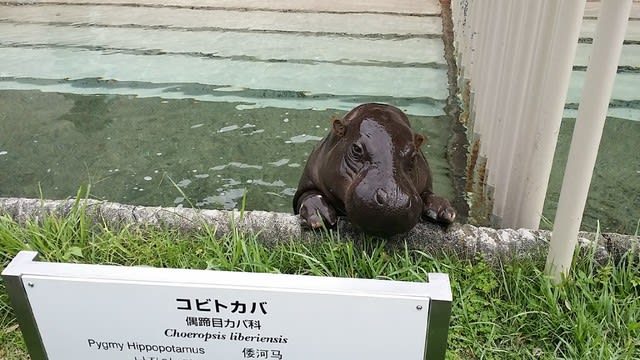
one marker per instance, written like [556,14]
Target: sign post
[80,311]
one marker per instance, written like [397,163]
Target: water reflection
[89,113]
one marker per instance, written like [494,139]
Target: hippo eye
[357,150]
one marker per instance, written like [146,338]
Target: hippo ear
[338,127]
[419,140]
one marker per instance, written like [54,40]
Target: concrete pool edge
[271,228]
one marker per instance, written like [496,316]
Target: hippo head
[381,163]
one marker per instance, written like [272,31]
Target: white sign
[138,313]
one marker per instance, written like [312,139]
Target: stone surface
[273,228]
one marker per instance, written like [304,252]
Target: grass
[500,310]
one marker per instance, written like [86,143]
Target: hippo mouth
[381,218]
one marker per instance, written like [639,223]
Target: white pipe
[502,98]
[469,19]
[464,21]
[520,75]
[499,39]
[592,112]
[459,32]
[531,97]
[489,52]
[473,26]
[481,34]
[480,73]
[554,94]
[477,33]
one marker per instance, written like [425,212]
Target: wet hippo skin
[370,168]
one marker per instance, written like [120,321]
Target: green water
[152,151]
[614,195]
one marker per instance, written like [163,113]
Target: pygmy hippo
[370,168]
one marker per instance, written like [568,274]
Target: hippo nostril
[408,204]
[381,197]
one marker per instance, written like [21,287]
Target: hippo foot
[438,209]
[315,212]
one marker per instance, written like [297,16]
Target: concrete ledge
[273,228]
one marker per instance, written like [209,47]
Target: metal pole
[592,112]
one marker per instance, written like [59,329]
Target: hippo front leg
[437,208]
[315,210]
